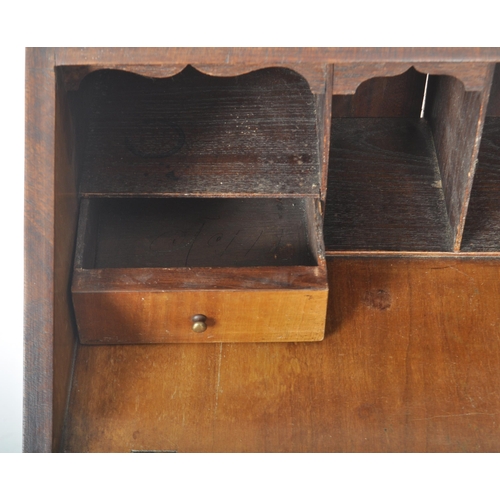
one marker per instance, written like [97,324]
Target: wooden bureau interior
[187,189]
[200,181]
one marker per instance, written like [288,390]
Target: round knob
[199,325]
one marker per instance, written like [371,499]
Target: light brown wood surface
[410,363]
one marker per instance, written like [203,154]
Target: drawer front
[231,316]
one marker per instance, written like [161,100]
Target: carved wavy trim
[348,77]
[314,74]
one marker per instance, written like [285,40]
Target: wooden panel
[39,252]
[410,363]
[233,316]
[482,228]
[269,55]
[456,118]
[194,134]
[397,96]
[384,189]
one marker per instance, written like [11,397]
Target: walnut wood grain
[482,227]
[456,118]
[199,135]
[410,363]
[384,189]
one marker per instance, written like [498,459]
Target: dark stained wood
[384,189]
[39,321]
[456,118]
[482,228]
[323,117]
[410,363]
[315,74]
[494,101]
[397,96]
[198,232]
[349,76]
[193,134]
[66,213]
[105,56]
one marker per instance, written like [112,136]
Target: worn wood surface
[482,227]
[99,56]
[241,315]
[379,97]
[456,118]
[410,363]
[39,321]
[198,232]
[384,189]
[194,134]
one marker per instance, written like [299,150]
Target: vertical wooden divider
[456,118]
[324,118]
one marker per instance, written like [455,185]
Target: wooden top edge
[197,279]
[269,55]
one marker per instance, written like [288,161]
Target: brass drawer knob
[199,325]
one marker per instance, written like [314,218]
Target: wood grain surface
[384,189]
[456,118]
[194,134]
[103,56]
[198,232]
[410,363]
[482,227]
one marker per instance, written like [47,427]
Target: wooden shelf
[384,187]
[198,135]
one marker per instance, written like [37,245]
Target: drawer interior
[196,232]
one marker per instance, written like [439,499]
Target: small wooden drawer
[254,268]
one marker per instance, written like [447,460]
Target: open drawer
[159,270]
